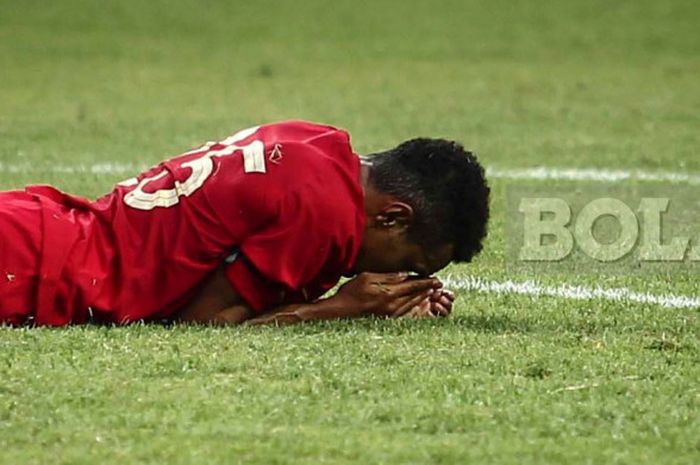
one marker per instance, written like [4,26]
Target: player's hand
[384,294]
[437,304]
[441,301]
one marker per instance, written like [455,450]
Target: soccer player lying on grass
[253,228]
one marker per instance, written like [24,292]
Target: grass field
[92,90]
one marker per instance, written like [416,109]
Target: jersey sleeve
[259,293]
[287,254]
[303,215]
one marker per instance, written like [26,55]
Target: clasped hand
[395,295]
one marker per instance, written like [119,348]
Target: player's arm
[389,295]
[367,294]
[215,302]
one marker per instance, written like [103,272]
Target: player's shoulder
[308,174]
[307,132]
[308,147]
[319,166]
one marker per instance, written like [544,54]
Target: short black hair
[445,185]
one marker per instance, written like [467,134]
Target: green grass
[510,379]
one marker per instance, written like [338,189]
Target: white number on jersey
[202,167]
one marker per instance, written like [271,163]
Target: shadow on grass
[480,323]
[574,322]
[484,323]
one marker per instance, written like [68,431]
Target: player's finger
[422,310]
[407,305]
[442,296]
[439,310]
[399,302]
[449,294]
[415,286]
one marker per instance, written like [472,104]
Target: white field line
[535,174]
[592,174]
[569,291]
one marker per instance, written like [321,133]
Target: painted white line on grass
[591,174]
[569,291]
[534,174]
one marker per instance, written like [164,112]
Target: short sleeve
[303,219]
[259,293]
[287,254]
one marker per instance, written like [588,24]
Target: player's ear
[395,215]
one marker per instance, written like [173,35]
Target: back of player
[140,251]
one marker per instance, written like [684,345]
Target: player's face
[385,252]
[385,244]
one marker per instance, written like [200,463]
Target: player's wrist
[333,307]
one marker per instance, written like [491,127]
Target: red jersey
[281,204]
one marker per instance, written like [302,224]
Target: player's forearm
[390,295]
[217,303]
[324,309]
